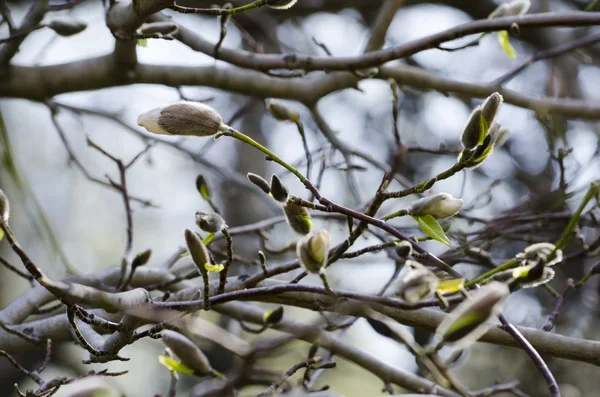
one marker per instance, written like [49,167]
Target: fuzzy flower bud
[418,282]
[297,217]
[67,26]
[198,251]
[313,250]
[511,9]
[260,182]
[4,207]
[490,107]
[441,205]
[182,118]
[472,135]
[187,352]
[472,318]
[278,189]
[210,222]
[281,113]
[281,4]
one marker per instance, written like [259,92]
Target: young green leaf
[174,366]
[209,237]
[432,228]
[142,42]
[505,43]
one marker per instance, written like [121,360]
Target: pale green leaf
[174,365]
[142,42]
[214,268]
[504,41]
[451,286]
[432,228]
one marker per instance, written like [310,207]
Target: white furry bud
[182,118]
[441,205]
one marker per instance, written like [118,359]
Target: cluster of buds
[481,133]
[418,282]
[440,205]
[534,266]
[472,317]
[297,216]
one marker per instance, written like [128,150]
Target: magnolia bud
[272,317]
[182,118]
[280,112]
[404,249]
[202,187]
[4,207]
[511,9]
[472,135]
[188,352]
[210,222]
[67,26]
[281,4]
[260,182]
[441,205]
[197,250]
[490,107]
[278,189]
[541,252]
[418,282]
[297,217]
[313,250]
[471,319]
[141,259]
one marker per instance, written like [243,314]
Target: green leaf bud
[141,259]
[472,318]
[281,113]
[182,118]
[210,222]
[272,317]
[202,187]
[278,189]
[187,352]
[297,217]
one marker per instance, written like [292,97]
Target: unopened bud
[202,187]
[197,250]
[313,250]
[67,26]
[472,134]
[490,107]
[441,205]
[210,222]
[418,282]
[273,317]
[281,4]
[141,259]
[260,182]
[182,118]
[4,207]
[511,9]
[281,113]
[297,217]
[278,189]
[187,352]
[471,319]
[404,249]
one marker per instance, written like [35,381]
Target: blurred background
[63,219]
